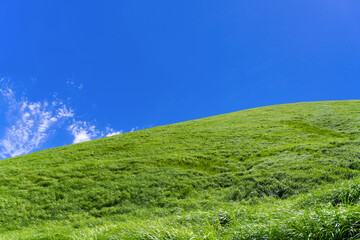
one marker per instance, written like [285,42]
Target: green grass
[279,172]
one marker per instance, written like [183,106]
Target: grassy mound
[280,172]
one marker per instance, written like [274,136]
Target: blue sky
[77,70]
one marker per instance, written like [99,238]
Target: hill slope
[278,172]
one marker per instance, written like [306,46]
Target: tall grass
[280,172]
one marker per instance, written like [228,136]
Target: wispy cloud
[84,131]
[31,123]
[111,132]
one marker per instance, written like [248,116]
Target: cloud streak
[30,124]
[83,131]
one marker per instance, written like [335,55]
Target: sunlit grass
[280,172]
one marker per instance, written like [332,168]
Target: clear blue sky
[119,65]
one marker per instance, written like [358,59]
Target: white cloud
[29,124]
[83,131]
[64,111]
[111,132]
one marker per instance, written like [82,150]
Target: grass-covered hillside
[280,172]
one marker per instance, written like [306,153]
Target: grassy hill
[279,172]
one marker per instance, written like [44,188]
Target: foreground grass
[280,172]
